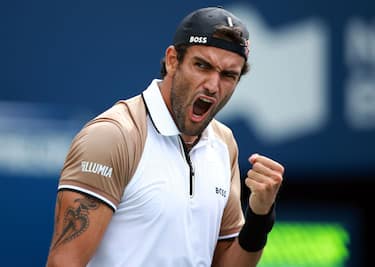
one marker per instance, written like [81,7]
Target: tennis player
[154,180]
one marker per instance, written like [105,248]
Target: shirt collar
[160,115]
[158,111]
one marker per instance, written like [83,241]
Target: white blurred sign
[285,93]
[32,142]
[360,84]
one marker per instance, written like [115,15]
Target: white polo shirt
[165,216]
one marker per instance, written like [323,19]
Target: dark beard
[179,114]
[179,92]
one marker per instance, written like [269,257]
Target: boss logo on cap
[198,39]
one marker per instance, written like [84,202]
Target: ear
[171,61]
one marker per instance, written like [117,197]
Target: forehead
[217,57]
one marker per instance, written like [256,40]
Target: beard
[181,100]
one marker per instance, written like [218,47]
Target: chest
[170,182]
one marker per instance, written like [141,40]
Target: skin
[80,223]
[210,75]
[207,72]
[215,73]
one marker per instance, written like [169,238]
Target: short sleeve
[233,218]
[96,162]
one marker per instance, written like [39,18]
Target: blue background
[73,59]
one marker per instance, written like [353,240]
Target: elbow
[63,261]
[53,262]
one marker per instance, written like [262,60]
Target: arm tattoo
[58,208]
[76,219]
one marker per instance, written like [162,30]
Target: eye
[230,75]
[202,65]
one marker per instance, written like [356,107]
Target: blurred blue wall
[308,101]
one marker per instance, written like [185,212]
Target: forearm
[231,254]
[61,260]
[247,249]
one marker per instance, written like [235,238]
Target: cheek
[227,93]
[226,97]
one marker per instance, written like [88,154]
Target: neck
[190,141]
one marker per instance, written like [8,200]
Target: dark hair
[230,34]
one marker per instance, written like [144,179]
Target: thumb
[253,158]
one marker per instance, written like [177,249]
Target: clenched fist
[264,181]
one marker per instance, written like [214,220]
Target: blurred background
[308,102]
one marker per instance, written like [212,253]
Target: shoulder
[127,117]
[225,134]
[123,123]
[125,113]
[222,131]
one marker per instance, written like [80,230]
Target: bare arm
[80,222]
[228,253]
[264,181]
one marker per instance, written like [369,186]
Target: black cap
[198,28]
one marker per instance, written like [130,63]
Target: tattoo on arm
[58,208]
[76,219]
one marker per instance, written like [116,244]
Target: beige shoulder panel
[104,155]
[233,219]
[130,116]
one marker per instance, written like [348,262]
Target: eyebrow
[225,71]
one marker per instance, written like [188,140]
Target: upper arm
[99,164]
[80,222]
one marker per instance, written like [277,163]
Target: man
[154,180]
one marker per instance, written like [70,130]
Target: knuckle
[251,173]
[248,181]
[277,177]
[282,169]
[257,165]
[269,186]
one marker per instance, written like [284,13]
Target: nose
[212,83]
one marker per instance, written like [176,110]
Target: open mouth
[201,107]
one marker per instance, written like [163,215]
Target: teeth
[205,100]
